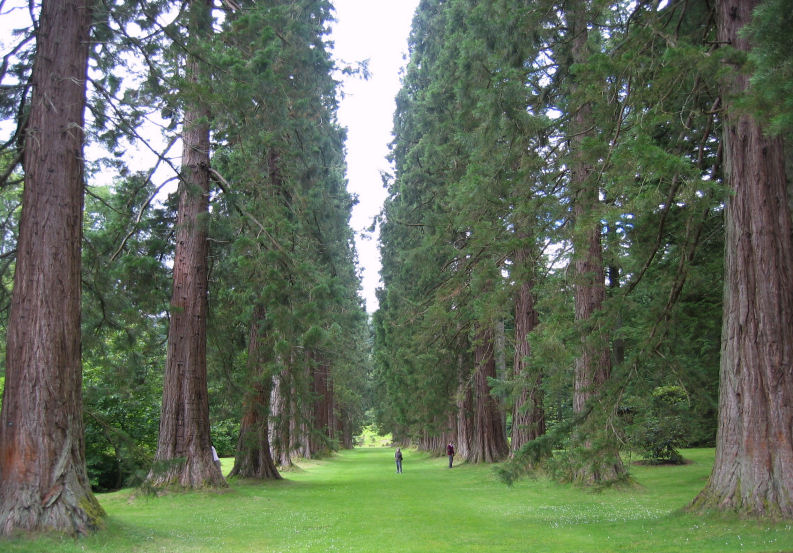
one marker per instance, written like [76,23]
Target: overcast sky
[376,30]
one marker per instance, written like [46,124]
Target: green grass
[355,502]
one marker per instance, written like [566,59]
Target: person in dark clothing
[450,453]
[398,458]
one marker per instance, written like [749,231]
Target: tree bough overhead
[43,480]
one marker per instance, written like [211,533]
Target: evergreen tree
[184,455]
[754,448]
[43,480]
[281,169]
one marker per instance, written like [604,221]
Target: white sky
[376,30]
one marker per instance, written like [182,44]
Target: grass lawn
[356,502]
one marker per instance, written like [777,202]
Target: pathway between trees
[355,502]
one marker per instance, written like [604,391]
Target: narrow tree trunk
[254,459]
[464,409]
[302,423]
[489,443]
[753,470]
[528,415]
[281,420]
[184,455]
[346,430]
[320,423]
[593,366]
[43,480]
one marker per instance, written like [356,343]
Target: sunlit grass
[355,502]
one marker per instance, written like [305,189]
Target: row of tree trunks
[43,480]
[465,403]
[305,428]
[753,470]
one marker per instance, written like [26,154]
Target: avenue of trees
[586,243]
[587,246]
[140,327]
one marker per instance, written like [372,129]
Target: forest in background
[588,218]
[586,197]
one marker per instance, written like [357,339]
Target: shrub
[658,429]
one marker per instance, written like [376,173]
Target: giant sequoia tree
[280,166]
[43,481]
[754,450]
[183,453]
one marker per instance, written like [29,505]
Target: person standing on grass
[398,459]
[450,453]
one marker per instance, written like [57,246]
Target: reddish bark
[322,408]
[464,422]
[489,442]
[254,459]
[528,415]
[753,470]
[43,480]
[184,455]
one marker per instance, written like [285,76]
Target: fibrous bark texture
[254,459]
[464,421]
[43,480]
[184,455]
[753,471]
[282,419]
[489,442]
[528,415]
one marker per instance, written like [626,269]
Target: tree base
[67,514]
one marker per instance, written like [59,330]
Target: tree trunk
[184,456]
[321,407]
[282,419]
[489,443]
[43,480]
[593,366]
[303,413]
[254,459]
[528,415]
[753,470]
[464,409]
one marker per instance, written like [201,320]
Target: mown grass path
[355,502]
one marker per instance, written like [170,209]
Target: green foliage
[480,205]
[225,434]
[283,241]
[370,437]
[771,58]
[658,427]
[125,294]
